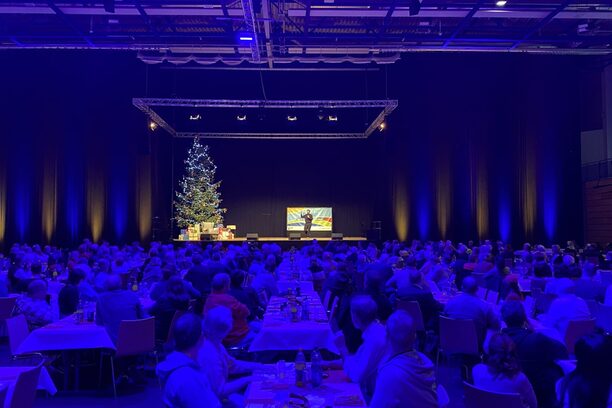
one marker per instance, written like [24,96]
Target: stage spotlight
[195,117]
[153,125]
[414,7]
[241,117]
[332,118]
[291,118]
[500,3]
[246,38]
[382,126]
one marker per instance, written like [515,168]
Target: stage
[284,242]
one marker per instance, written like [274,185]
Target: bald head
[470,285]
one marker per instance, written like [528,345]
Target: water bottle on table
[316,369]
[300,369]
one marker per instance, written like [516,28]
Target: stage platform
[274,239]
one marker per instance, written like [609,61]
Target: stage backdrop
[480,146]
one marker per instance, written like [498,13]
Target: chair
[334,308]
[414,310]
[18,330]
[492,296]
[135,337]
[457,337]
[7,304]
[24,393]
[481,293]
[604,317]
[326,300]
[474,397]
[577,329]
[3,392]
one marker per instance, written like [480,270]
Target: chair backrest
[458,336]
[334,308]
[17,328]
[478,398]
[3,392]
[604,317]
[606,277]
[170,336]
[577,329]
[7,304]
[414,310]
[481,293]
[136,337]
[492,296]
[24,393]
[326,300]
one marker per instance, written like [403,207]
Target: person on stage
[307,222]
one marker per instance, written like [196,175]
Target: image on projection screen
[321,218]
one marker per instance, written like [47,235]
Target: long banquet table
[279,333]
[269,390]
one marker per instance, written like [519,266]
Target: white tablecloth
[66,335]
[306,287]
[279,334]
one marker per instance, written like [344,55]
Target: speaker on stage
[252,236]
[336,236]
[295,236]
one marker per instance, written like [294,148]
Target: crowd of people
[222,290]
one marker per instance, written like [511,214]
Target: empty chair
[478,398]
[18,330]
[24,393]
[414,310]
[603,318]
[135,337]
[457,337]
[577,329]
[492,296]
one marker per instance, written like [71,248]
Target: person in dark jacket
[430,308]
[68,298]
[175,299]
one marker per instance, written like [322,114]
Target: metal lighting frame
[147,105]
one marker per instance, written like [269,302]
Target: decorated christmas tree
[199,199]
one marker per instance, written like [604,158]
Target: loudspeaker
[295,236]
[337,236]
[252,236]
[374,234]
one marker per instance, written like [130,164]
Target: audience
[34,305]
[185,382]
[174,300]
[567,306]
[407,378]
[415,291]
[502,372]
[69,295]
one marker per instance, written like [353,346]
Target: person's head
[37,289]
[176,287]
[75,276]
[589,270]
[220,283]
[188,334]
[113,282]
[400,332]
[218,323]
[238,278]
[363,311]
[502,359]
[513,314]
[415,276]
[307,211]
[196,259]
[469,286]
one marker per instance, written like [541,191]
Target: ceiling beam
[463,24]
[541,24]
[265,8]
[69,23]
[251,25]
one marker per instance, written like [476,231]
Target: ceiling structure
[272,32]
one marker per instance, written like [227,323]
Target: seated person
[175,299]
[362,366]
[217,364]
[416,291]
[407,378]
[185,383]
[34,305]
[589,385]
[589,287]
[501,371]
[116,305]
[468,306]
[69,295]
[567,306]
[245,295]
[536,352]
[241,333]
[160,288]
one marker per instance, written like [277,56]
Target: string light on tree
[199,199]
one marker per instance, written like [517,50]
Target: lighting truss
[148,105]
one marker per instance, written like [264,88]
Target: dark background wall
[480,146]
